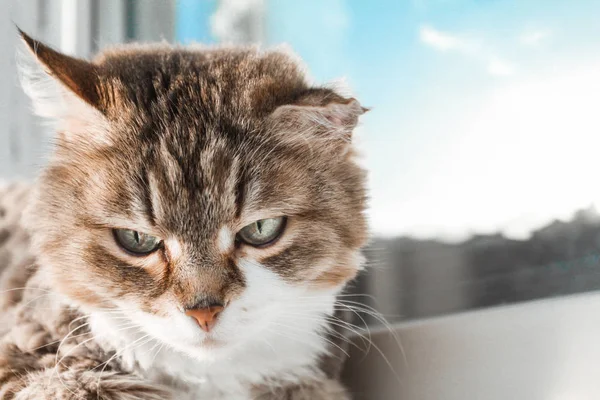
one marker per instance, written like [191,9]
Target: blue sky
[484,112]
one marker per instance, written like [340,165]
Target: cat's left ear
[63,89]
[322,117]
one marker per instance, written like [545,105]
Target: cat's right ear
[64,90]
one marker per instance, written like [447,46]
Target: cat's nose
[206,316]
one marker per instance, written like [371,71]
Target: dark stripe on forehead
[219,165]
[240,191]
[147,196]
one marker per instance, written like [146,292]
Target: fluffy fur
[188,145]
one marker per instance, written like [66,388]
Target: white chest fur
[226,375]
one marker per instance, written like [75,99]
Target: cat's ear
[319,119]
[63,89]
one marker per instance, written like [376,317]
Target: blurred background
[481,144]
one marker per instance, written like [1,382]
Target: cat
[201,212]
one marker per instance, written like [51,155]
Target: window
[481,143]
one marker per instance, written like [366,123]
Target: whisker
[375,314]
[334,321]
[25,288]
[116,355]
[315,334]
[298,339]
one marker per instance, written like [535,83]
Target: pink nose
[206,317]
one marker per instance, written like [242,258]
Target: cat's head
[191,187]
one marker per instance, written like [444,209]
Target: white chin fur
[273,330]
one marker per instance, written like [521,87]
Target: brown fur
[185,142]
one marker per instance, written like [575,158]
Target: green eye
[263,231]
[136,243]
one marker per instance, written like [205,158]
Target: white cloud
[441,40]
[232,21]
[533,38]
[471,48]
[500,67]
[519,157]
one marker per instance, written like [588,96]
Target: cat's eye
[136,243]
[262,232]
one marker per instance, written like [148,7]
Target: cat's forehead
[230,83]
[192,185]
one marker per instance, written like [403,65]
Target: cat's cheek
[269,297]
[336,273]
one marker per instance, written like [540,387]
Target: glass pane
[481,142]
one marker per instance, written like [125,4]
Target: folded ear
[320,117]
[63,89]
